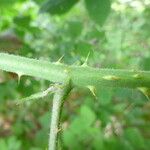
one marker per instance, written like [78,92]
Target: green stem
[58,100]
[79,75]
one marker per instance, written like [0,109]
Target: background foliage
[117,35]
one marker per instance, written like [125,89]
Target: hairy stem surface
[58,100]
[79,75]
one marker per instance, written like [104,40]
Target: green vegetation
[93,55]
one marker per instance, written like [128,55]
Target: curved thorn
[60,59]
[86,60]
[19,77]
[145,91]
[92,90]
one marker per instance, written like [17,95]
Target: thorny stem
[58,100]
[80,75]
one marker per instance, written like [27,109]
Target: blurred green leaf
[114,143]
[42,134]
[98,10]
[57,6]
[4,3]
[22,21]
[105,95]
[10,144]
[3,144]
[45,120]
[134,136]
[82,130]
[145,63]
[74,28]
[87,115]
[82,49]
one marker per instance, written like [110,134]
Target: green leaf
[13,143]
[98,10]
[44,120]
[116,143]
[105,95]
[3,144]
[134,136]
[4,3]
[74,28]
[22,21]
[87,115]
[57,6]
[81,124]
[35,148]
[82,49]
[145,63]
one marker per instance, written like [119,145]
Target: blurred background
[117,35]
